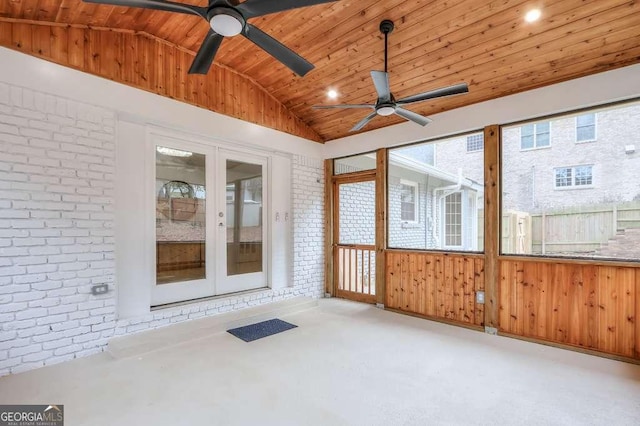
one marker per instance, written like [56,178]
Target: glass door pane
[244,217]
[242,224]
[181,194]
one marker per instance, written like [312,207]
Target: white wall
[619,84]
[64,138]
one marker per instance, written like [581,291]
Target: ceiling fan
[386,103]
[228,18]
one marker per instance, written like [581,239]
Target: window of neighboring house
[567,177]
[475,142]
[535,135]
[453,220]
[408,201]
[586,127]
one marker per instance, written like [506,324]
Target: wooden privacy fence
[569,231]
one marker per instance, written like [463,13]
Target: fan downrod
[386,26]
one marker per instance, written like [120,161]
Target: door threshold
[208,298]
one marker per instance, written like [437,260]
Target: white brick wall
[57,174]
[56,227]
[308,221]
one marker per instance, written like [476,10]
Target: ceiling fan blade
[363,122]
[288,57]
[412,116]
[254,8]
[343,106]
[208,50]
[157,5]
[381,81]
[438,93]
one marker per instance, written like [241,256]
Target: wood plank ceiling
[436,43]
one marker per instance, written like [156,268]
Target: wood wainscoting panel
[585,305]
[437,285]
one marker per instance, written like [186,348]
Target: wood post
[381,223]
[491,223]
[328,227]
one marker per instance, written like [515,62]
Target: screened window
[409,201]
[535,135]
[475,142]
[435,195]
[586,127]
[355,163]
[578,199]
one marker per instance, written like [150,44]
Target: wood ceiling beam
[146,62]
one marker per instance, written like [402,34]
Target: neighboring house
[570,184]
[591,158]
[429,208]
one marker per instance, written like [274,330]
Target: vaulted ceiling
[435,43]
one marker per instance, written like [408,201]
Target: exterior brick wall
[528,175]
[57,177]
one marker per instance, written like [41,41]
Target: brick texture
[57,178]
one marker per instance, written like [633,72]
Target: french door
[241,230]
[210,221]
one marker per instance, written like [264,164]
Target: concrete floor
[346,363]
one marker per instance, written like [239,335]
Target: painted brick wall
[57,234]
[56,228]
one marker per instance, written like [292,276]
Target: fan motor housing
[228,11]
[387,26]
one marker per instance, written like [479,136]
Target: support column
[328,227]
[381,224]
[492,226]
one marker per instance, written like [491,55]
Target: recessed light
[332,94]
[533,15]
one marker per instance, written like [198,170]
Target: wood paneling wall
[145,62]
[584,305]
[438,285]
